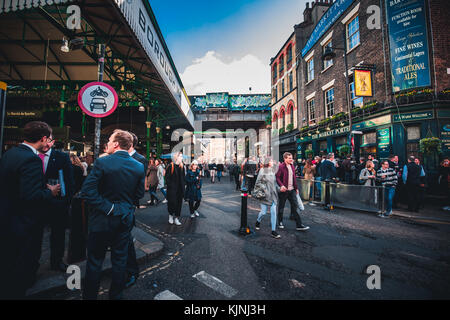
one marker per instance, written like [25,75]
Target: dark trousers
[118,238]
[236,180]
[251,183]
[21,259]
[176,206]
[194,205]
[292,197]
[412,191]
[132,265]
[152,191]
[58,222]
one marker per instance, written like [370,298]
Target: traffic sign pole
[98,121]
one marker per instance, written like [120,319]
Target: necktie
[42,156]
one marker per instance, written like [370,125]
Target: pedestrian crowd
[39,184]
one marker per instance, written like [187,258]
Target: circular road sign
[98,99]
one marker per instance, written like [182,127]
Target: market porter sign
[408,44]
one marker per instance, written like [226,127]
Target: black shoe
[302,228]
[59,266]
[130,281]
[257,225]
[275,235]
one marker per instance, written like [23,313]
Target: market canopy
[137,59]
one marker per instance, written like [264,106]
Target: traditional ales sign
[408,42]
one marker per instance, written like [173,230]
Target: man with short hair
[23,195]
[388,178]
[112,189]
[328,168]
[288,190]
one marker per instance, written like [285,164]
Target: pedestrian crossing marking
[167,295]
[215,284]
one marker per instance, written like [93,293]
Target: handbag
[259,190]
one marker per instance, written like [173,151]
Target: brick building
[409,71]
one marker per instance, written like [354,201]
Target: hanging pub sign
[363,83]
[98,99]
[408,43]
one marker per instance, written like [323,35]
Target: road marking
[167,295]
[215,284]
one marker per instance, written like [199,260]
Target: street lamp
[328,55]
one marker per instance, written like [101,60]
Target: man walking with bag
[112,189]
[288,190]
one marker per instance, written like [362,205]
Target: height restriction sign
[98,99]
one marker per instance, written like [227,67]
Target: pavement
[147,248]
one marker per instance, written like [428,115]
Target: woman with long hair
[161,185]
[266,179]
[309,171]
[175,177]
[151,182]
[193,188]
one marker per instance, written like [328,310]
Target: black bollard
[244,230]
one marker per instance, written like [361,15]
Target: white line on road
[215,284]
[167,295]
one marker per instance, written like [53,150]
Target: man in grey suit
[112,188]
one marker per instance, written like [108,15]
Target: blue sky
[214,40]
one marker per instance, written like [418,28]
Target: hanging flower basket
[309,154]
[344,150]
[430,145]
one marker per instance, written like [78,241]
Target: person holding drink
[388,178]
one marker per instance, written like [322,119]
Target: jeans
[164,192]
[194,205]
[219,175]
[319,187]
[389,194]
[273,214]
[153,195]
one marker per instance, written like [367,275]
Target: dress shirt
[32,148]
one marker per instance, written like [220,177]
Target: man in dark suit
[112,188]
[132,266]
[23,195]
[58,208]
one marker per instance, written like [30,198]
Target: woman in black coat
[193,189]
[175,187]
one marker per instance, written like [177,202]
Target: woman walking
[152,182]
[193,188]
[175,187]
[266,179]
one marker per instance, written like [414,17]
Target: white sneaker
[164,201]
[192,215]
[197,214]
[170,219]
[281,226]
[177,222]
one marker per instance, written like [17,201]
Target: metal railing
[346,196]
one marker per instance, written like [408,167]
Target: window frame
[329,114]
[311,103]
[349,36]
[353,96]
[325,62]
[310,71]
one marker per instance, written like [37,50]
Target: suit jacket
[328,170]
[59,160]
[141,159]
[175,179]
[283,176]
[115,180]
[23,192]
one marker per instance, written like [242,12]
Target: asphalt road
[206,259]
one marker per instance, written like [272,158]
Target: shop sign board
[363,83]
[384,142]
[408,41]
[24,114]
[445,137]
[372,123]
[413,116]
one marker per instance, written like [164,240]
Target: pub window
[291,115]
[310,69]
[283,120]
[329,102]
[289,55]
[327,63]
[274,73]
[353,33]
[369,138]
[323,146]
[275,121]
[282,88]
[311,110]
[413,133]
[341,140]
[281,65]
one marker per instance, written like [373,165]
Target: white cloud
[212,74]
